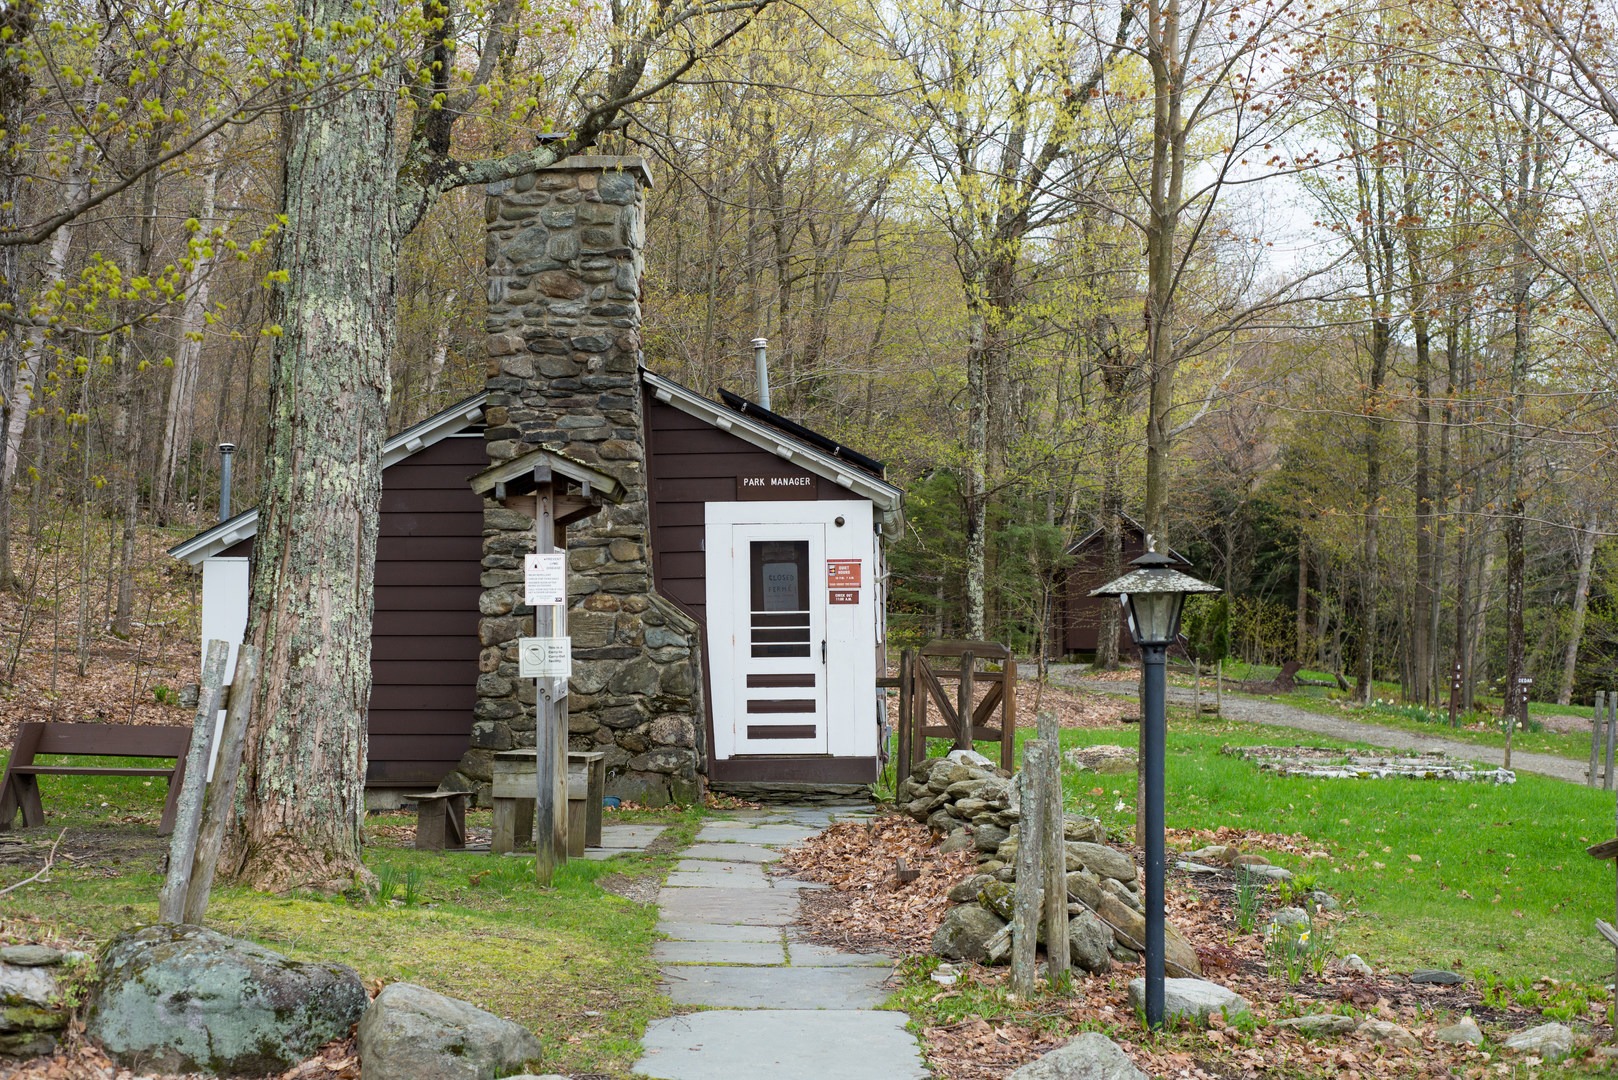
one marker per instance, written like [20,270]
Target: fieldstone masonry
[564,271]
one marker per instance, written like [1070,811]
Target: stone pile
[974,805]
[35,1003]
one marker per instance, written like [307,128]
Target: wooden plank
[789,705]
[550,748]
[407,573]
[115,740]
[963,705]
[409,499]
[429,524]
[906,679]
[1025,912]
[219,804]
[1008,715]
[683,564]
[425,598]
[19,791]
[430,549]
[1607,849]
[418,722]
[440,697]
[435,747]
[188,812]
[986,707]
[982,650]
[424,672]
[1606,930]
[935,690]
[458,648]
[782,731]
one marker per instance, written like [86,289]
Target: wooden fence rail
[961,717]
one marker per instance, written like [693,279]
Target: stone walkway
[771,1004]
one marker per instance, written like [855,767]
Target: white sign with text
[544,580]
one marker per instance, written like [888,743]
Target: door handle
[822,650]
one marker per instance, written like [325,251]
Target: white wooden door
[773,628]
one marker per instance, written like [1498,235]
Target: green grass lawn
[1481,877]
[572,962]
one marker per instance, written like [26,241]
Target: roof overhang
[520,472]
[887,499]
[434,429]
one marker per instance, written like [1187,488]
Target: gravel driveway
[1275,714]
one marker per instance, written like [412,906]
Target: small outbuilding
[726,612]
[1080,615]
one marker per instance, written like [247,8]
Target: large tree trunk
[1166,197]
[974,486]
[304,772]
[1422,614]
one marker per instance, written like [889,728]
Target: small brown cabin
[768,535]
[1081,615]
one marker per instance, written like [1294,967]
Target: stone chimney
[564,274]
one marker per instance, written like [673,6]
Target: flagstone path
[769,1004]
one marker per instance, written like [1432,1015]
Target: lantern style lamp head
[1153,595]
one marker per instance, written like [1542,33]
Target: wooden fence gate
[963,719]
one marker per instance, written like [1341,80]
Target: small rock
[31,955]
[1103,758]
[1353,963]
[1084,887]
[965,933]
[1291,918]
[1089,1056]
[1464,1030]
[942,821]
[1196,867]
[35,986]
[1437,977]
[412,1033]
[1100,859]
[1217,855]
[1088,939]
[1006,873]
[1387,1033]
[1319,1024]
[1123,954]
[990,866]
[969,757]
[1129,929]
[1000,898]
[988,838]
[1266,873]
[1249,860]
[1194,999]
[1550,1042]
[959,840]
[1324,900]
[1122,892]
[966,892]
[1086,829]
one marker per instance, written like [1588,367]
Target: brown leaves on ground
[866,908]
[77,1059]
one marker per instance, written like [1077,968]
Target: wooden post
[919,695]
[1054,848]
[550,739]
[1595,736]
[1008,715]
[1025,912]
[188,815]
[963,704]
[220,801]
[1612,714]
[1196,689]
[901,769]
[1219,688]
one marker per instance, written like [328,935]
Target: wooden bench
[514,779]
[440,820]
[19,790]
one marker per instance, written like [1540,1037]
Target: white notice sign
[544,580]
[545,657]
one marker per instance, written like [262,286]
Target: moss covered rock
[187,999]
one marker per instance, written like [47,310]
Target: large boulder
[1129,929]
[963,935]
[1101,860]
[412,1033]
[1550,1042]
[186,999]
[1089,1056]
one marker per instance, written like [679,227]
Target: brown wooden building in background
[1080,615]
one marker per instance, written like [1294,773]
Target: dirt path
[1275,714]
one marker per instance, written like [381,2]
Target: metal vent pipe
[761,367]
[227,452]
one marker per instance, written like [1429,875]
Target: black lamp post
[1153,595]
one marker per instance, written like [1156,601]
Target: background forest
[1323,295]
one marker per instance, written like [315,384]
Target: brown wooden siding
[1081,613]
[424,637]
[690,463]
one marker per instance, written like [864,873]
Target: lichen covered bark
[303,778]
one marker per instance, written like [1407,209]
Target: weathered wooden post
[550,703]
[220,801]
[963,706]
[1612,716]
[901,770]
[1054,847]
[1595,736]
[188,813]
[1455,696]
[1030,845]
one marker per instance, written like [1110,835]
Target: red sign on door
[842,574]
[845,596]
